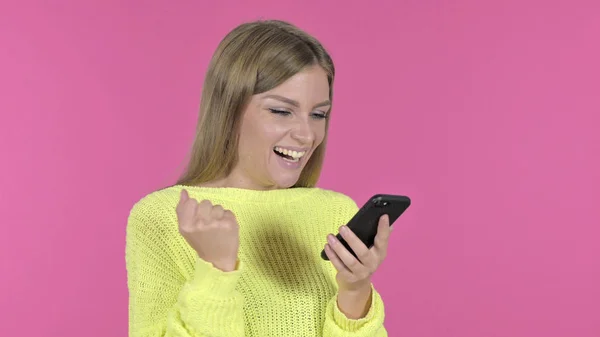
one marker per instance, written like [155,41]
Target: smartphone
[365,222]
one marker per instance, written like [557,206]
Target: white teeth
[294,154]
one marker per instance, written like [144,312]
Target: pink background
[485,113]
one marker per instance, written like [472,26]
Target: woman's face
[280,130]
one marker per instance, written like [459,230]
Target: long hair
[253,58]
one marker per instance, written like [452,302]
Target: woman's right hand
[210,230]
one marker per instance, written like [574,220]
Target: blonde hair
[253,58]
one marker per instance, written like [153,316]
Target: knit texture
[281,286]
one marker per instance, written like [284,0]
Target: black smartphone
[365,222]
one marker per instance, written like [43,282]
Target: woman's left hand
[354,275]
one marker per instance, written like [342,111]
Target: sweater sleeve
[170,293]
[336,323]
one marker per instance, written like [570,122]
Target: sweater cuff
[373,319]
[215,282]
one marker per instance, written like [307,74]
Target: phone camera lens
[380,203]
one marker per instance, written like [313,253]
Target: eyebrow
[295,103]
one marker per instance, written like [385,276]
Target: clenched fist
[210,230]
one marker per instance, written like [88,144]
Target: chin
[286,182]
[282,176]
[283,179]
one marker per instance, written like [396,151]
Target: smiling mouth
[289,155]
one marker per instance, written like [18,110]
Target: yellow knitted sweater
[281,288]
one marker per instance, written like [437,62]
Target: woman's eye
[280,112]
[319,115]
[315,115]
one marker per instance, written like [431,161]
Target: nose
[303,132]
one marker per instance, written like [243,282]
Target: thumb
[184,196]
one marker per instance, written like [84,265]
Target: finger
[217,212]
[184,196]
[185,210]
[335,260]
[365,256]
[203,210]
[227,214]
[230,219]
[383,235]
[351,262]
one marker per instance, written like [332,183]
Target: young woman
[233,249]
